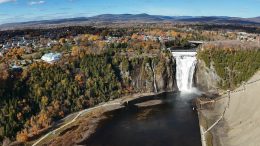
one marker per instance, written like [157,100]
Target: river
[172,123]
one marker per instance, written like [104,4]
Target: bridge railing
[183,50]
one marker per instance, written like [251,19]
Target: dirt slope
[241,123]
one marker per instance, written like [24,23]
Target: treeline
[52,33]
[216,27]
[64,32]
[232,65]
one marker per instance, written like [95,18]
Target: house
[51,57]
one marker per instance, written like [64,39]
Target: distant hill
[138,18]
[255,19]
[222,20]
[126,17]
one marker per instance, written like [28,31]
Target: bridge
[194,45]
[197,42]
[183,50]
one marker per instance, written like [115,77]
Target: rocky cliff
[165,72]
[150,74]
[206,78]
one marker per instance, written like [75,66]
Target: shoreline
[203,138]
[205,122]
[88,120]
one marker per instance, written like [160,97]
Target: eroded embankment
[240,123]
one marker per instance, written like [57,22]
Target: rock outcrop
[152,74]
[206,79]
[165,75]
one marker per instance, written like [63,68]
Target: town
[51,46]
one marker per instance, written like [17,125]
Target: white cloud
[5,1]
[36,2]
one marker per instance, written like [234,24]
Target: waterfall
[185,67]
[154,79]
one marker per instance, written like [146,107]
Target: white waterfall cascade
[185,68]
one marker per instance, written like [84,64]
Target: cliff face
[165,73]
[233,65]
[151,74]
[206,79]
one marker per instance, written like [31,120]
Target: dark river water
[172,123]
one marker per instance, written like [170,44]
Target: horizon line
[195,16]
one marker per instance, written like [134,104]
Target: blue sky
[28,10]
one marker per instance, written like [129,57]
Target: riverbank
[81,125]
[237,117]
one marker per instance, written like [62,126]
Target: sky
[32,10]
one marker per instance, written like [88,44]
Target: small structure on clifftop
[51,57]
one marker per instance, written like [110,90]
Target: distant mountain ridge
[139,18]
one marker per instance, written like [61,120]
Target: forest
[33,99]
[246,28]
[233,65]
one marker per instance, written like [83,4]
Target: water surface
[172,123]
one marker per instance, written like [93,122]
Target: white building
[51,57]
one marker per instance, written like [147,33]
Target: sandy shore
[149,103]
[240,123]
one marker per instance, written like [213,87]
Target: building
[51,57]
